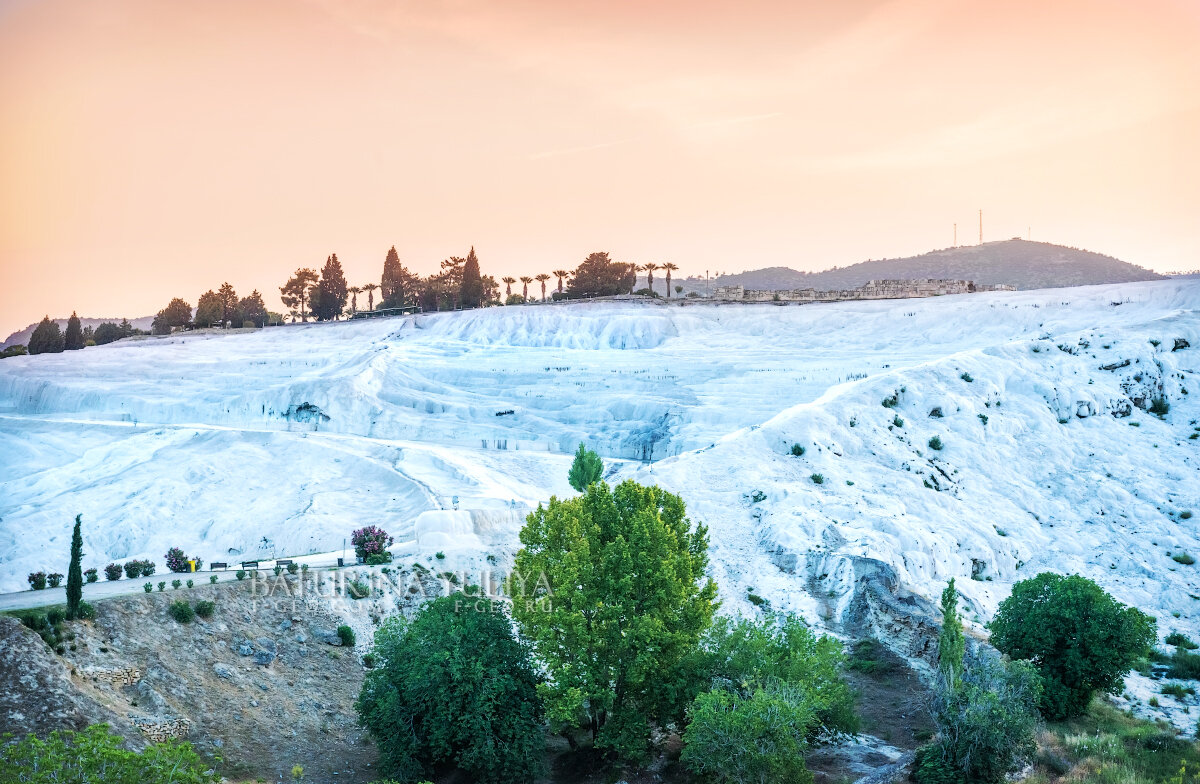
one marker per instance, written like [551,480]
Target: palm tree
[636,269]
[560,274]
[526,280]
[508,280]
[669,267]
[542,277]
[650,267]
[370,289]
[354,292]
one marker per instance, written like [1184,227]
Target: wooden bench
[215,565]
[250,564]
[283,562]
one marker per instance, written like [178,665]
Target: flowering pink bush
[178,562]
[112,571]
[37,580]
[369,541]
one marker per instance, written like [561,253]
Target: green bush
[205,608]
[277,569]
[175,584]
[147,587]
[897,421]
[55,616]
[966,377]
[97,755]
[1183,558]
[797,450]
[1179,640]
[586,469]
[986,721]
[892,400]
[240,574]
[439,555]
[936,443]
[191,584]
[91,576]
[55,579]
[181,611]
[212,579]
[1080,639]
[463,687]
[292,568]
[759,738]
[1160,407]
[86,611]
[346,635]
[1185,666]
[818,479]
[162,586]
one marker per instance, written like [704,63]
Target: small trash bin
[340,563]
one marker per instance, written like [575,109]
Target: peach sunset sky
[155,148]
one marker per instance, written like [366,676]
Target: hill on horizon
[1016,262]
[21,336]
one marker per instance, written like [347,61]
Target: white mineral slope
[221,445]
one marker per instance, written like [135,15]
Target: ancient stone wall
[875,289]
[160,730]
[118,676]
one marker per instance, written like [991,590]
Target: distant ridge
[1016,262]
[21,337]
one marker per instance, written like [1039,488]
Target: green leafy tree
[600,276]
[472,289]
[986,723]
[453,686]
[1080,639]
[97,755]
[586,469]
[175,314]
[609,587]
[252,308]
[296,292]
[46,338]
[14,351]
[106,333]
[75,571]
[951,642]
[73,340]
[229,302]
[209,310]
[760,738]
[331,294]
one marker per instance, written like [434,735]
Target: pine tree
[471,292]
[209,309]
[74,337]
[585,470]
[253,309]
[332,291]
[46,338]
[75,572]
[229,301]
[951,643]
[295,292]
[398,287]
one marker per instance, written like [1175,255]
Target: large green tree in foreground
[453,686]
[610,589]
[1080,639]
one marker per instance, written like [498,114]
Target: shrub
[439,555]
[454,659]
[368,661]
[371,540]
[936,412]
[86,611]
[112,572]
[986,722]
[148,587]
[181,611]
[358,589]
[1179,640]
[1180,558]
[55,579]
[1185,515]
[1079,638]
[147,568]
[797,450]
[90,575]
[240,574]
[897,421]
[55,616]
[758,738]
[304,567]
[176,583]
[205,608]
[291,569]
[983,418]
[1185,666]
[37,580]
[177,561]
[967,377]
[278,570]
[818,479]
[190,584]
[96,754]
[755,599]
[133,569]
[935,443]
[1160,407]
[1177,690]
[346,635]
[891,401]
[162,586]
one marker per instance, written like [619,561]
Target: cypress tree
[46,338]
[75,573]
[951,643]
[471,291]
[331,291]
[585,470]
[74,338]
